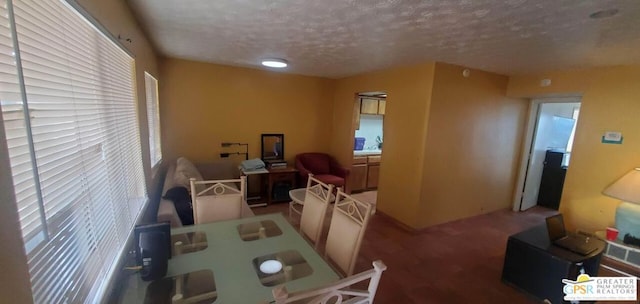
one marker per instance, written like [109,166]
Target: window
[69,112]
[153,116]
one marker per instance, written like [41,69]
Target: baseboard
[412,230]
[400,225]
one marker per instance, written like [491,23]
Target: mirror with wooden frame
[272,147]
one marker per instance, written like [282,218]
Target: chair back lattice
[314,210]
[217,200]
[340,292]
[346,231]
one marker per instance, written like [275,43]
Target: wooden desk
[536,266]
[287,174]
[231,261]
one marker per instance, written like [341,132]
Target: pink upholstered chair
[323,167]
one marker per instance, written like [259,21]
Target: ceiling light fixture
[275,63]
[604,14]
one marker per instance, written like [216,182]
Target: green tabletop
[230,259]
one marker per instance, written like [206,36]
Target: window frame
[153,120]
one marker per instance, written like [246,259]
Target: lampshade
[627,188]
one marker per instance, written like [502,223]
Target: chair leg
[290,207]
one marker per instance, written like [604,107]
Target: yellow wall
[451,144]
[205,104]
[116,17]
[610,102]
[472,148]
[405,121]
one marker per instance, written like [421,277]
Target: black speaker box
[281,191]
[153,250]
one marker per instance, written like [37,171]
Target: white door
[553,129]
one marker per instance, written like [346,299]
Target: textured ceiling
[337,38]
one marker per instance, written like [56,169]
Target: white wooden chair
[215,200]
[314,209]
[338,292]
[297,202]
[346,231]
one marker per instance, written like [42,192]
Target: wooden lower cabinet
[364,175]
[358,177]
[372,176]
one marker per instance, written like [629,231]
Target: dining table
[234,261]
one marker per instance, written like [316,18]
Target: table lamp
[627,189]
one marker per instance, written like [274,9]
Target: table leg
[269,188]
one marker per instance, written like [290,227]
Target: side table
[257,202]
[268,178]
[276,175]
[536,266]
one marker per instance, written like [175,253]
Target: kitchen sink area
[367,152]
[367,148]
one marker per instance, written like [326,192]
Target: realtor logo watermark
[586,288]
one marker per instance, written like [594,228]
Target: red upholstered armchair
[323,167]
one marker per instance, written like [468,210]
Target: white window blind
[75,156]
[153,116]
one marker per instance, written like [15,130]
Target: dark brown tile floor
[457,262]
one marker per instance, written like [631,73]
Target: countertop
[367,152]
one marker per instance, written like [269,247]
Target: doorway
[368,134]
[548,142]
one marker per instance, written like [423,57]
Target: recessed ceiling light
[604,14]
[275,63]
